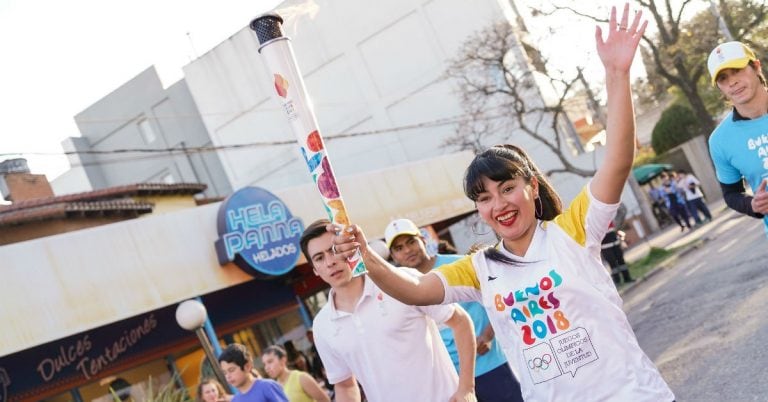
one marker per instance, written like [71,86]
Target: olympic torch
[294,100]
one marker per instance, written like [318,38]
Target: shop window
[147,133]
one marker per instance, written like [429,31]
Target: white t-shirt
[394,350]
[686,187]
[558,316]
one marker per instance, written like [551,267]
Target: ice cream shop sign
[258,233]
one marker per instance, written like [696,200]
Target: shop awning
[645,173]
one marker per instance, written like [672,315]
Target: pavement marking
[728,245]
[694,269]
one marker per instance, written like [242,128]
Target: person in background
[298,385]
[494,380]
[210,390]
[393,349]
[675,202]
[691,187]
[237,364]
[318,370]
[659,205]
[737,144]
[613,253]
[297,360]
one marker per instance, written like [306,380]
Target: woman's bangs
[492,167]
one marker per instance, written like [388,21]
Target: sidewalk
[671,238]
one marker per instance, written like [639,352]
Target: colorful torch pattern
[278,55]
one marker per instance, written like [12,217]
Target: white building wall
[369,67]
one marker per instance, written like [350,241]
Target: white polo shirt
[394,350]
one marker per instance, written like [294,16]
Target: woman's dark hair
[506,162]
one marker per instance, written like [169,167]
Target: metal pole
[208,327]
[720,21]
[208,349]
[304,312]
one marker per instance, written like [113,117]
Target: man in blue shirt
[494,380]
[739,145]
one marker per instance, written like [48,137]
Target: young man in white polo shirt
[393,349]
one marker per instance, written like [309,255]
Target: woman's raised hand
[618,49]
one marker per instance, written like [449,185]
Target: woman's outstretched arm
[423,290]
[616,53]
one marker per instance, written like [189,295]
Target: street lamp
[191,315]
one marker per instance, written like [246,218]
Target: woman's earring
[538,206]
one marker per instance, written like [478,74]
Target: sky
[60,57]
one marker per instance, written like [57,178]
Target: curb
[665,264]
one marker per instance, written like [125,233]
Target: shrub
[677,125]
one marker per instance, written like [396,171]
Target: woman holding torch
[552,305]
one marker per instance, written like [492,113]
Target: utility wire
[192,150]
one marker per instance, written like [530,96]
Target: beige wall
[36,230]
[168,203]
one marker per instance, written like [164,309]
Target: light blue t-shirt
[483,363]
[740,149]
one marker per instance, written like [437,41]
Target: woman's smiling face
[508,207]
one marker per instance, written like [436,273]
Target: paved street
[703,319]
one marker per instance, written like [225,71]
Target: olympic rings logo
[540,363]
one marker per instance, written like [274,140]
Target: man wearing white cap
[494,381]
[739,145]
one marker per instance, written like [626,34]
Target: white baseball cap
[400,227]
[729,55]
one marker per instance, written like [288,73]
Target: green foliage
[655,256]
[166,393]
[677,125]
[645,155]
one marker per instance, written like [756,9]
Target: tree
[499,94]
[677,125]
[676,51]
[700,34]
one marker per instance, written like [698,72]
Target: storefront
[86,308]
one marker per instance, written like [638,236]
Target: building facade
[88,306]
[141,114]
[376,75]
